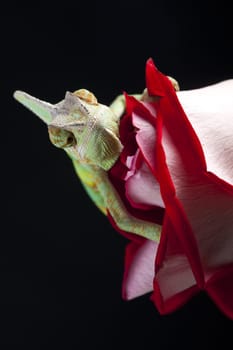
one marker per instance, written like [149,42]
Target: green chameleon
[89,133]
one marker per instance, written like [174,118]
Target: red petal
[220,288]
[154,87]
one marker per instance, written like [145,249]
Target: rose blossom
[176,169]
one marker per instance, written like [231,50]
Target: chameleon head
[84,128]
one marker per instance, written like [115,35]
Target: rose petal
[146,138]
[142,189]
[139,275]
[153,86]
[210,111]
[174,282]
[143,119]
[220,288]
[198,204]
[209,209]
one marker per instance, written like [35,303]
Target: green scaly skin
[88,132]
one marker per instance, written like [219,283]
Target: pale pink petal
[208,208]
[140,276]
[146,137]
[174,281]
[131,162]
[142,189]
[210,111]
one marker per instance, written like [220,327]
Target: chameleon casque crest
[89,133]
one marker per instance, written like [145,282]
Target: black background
[61,263]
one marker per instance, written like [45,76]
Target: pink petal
[209,209]
[139,275]
[143,118]
[146,137]
[174,283]
[142,189]
[210,111]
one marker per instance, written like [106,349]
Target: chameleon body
[89,133]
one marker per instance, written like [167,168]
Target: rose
[176,169]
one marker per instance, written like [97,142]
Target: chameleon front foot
[142,228]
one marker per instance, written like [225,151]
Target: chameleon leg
[106,198]
[174,83]
[85,174]
[121,216]
[118,105]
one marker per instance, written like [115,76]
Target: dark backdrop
[61,263]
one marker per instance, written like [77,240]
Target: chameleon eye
[70,140]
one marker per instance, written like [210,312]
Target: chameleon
[88,132]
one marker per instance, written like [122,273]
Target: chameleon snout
[60,137]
